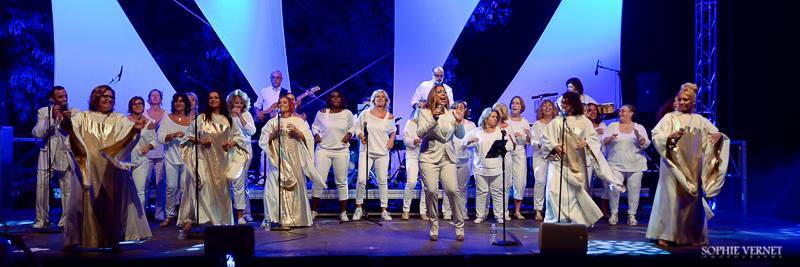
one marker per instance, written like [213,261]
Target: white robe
[296,159]
[216,169]
[689,169]
[577,205]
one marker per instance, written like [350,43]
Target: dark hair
[666,108]
[223,108]
[521,103]
[329,103]
[432,97]
[53,90]
[632,108]
[577,83]
[185,99]
[160,94]
[459,102]
[596,120]
[130,102]
[97,92]
[574,101]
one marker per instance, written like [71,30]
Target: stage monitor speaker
[238,240]
[563,238]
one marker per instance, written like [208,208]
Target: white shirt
[463,153]
[379,131]
[537,133]
[248,130]
[158,149]
[409,135]
[146,137]
[625,154]
[332,127]
[515,127]
[421,93]
[482,165]
[172,152]
[268,96]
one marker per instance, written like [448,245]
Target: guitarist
[267,100]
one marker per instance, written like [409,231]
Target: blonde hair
[241,94]
[502,110]
[540,109]
[689,89]
[485,114]
[375,95]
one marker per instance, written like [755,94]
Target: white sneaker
[241,221]
[612,220]
[357,214]
[313,215]
[632,220]
[343,217]
[448,216]
[459,234]
[478,220]
[385,216]
[500,221]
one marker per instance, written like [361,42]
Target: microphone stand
[278,225]
[366,173]
[195,233]
[561,175]
[503,151]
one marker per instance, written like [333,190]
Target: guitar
[273,109]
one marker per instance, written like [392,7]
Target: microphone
[503,132]
[596,66]
[544,95]
[366,132]
[397,119]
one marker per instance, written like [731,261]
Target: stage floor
[407,239]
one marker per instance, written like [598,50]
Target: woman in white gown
[567,199]
[212,140]
[289,145]
[520,128]
[103,193]
[694,161]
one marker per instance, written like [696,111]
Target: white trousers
[540,176]
[43,195]
[519,173]
[175,173]
[140,175]
[241,196]
[462,173]
[381,169]
[412,176]
[338,159]
[445,172]
[634,186]
[484,186]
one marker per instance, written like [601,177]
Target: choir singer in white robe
[569,196]
[694,161]
[289,145]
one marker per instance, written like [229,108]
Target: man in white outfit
[54,156]
[421,93]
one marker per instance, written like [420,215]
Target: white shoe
[612,220]
[357,214]
[343,217]
[265,224]
[500,221]
[424,217]
[241,221]
[448,216]
[478,220]
[632,220]
[385,216]
[313,215]
[405,216]
[459,234]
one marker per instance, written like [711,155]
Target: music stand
[498,149]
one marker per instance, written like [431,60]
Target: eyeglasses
[108,96]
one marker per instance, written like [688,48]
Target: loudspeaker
[238,240]
[563,238]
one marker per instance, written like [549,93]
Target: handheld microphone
[596,66]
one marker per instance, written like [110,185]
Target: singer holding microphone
[437,126]
[54,156]
[569,142]
[376,130]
